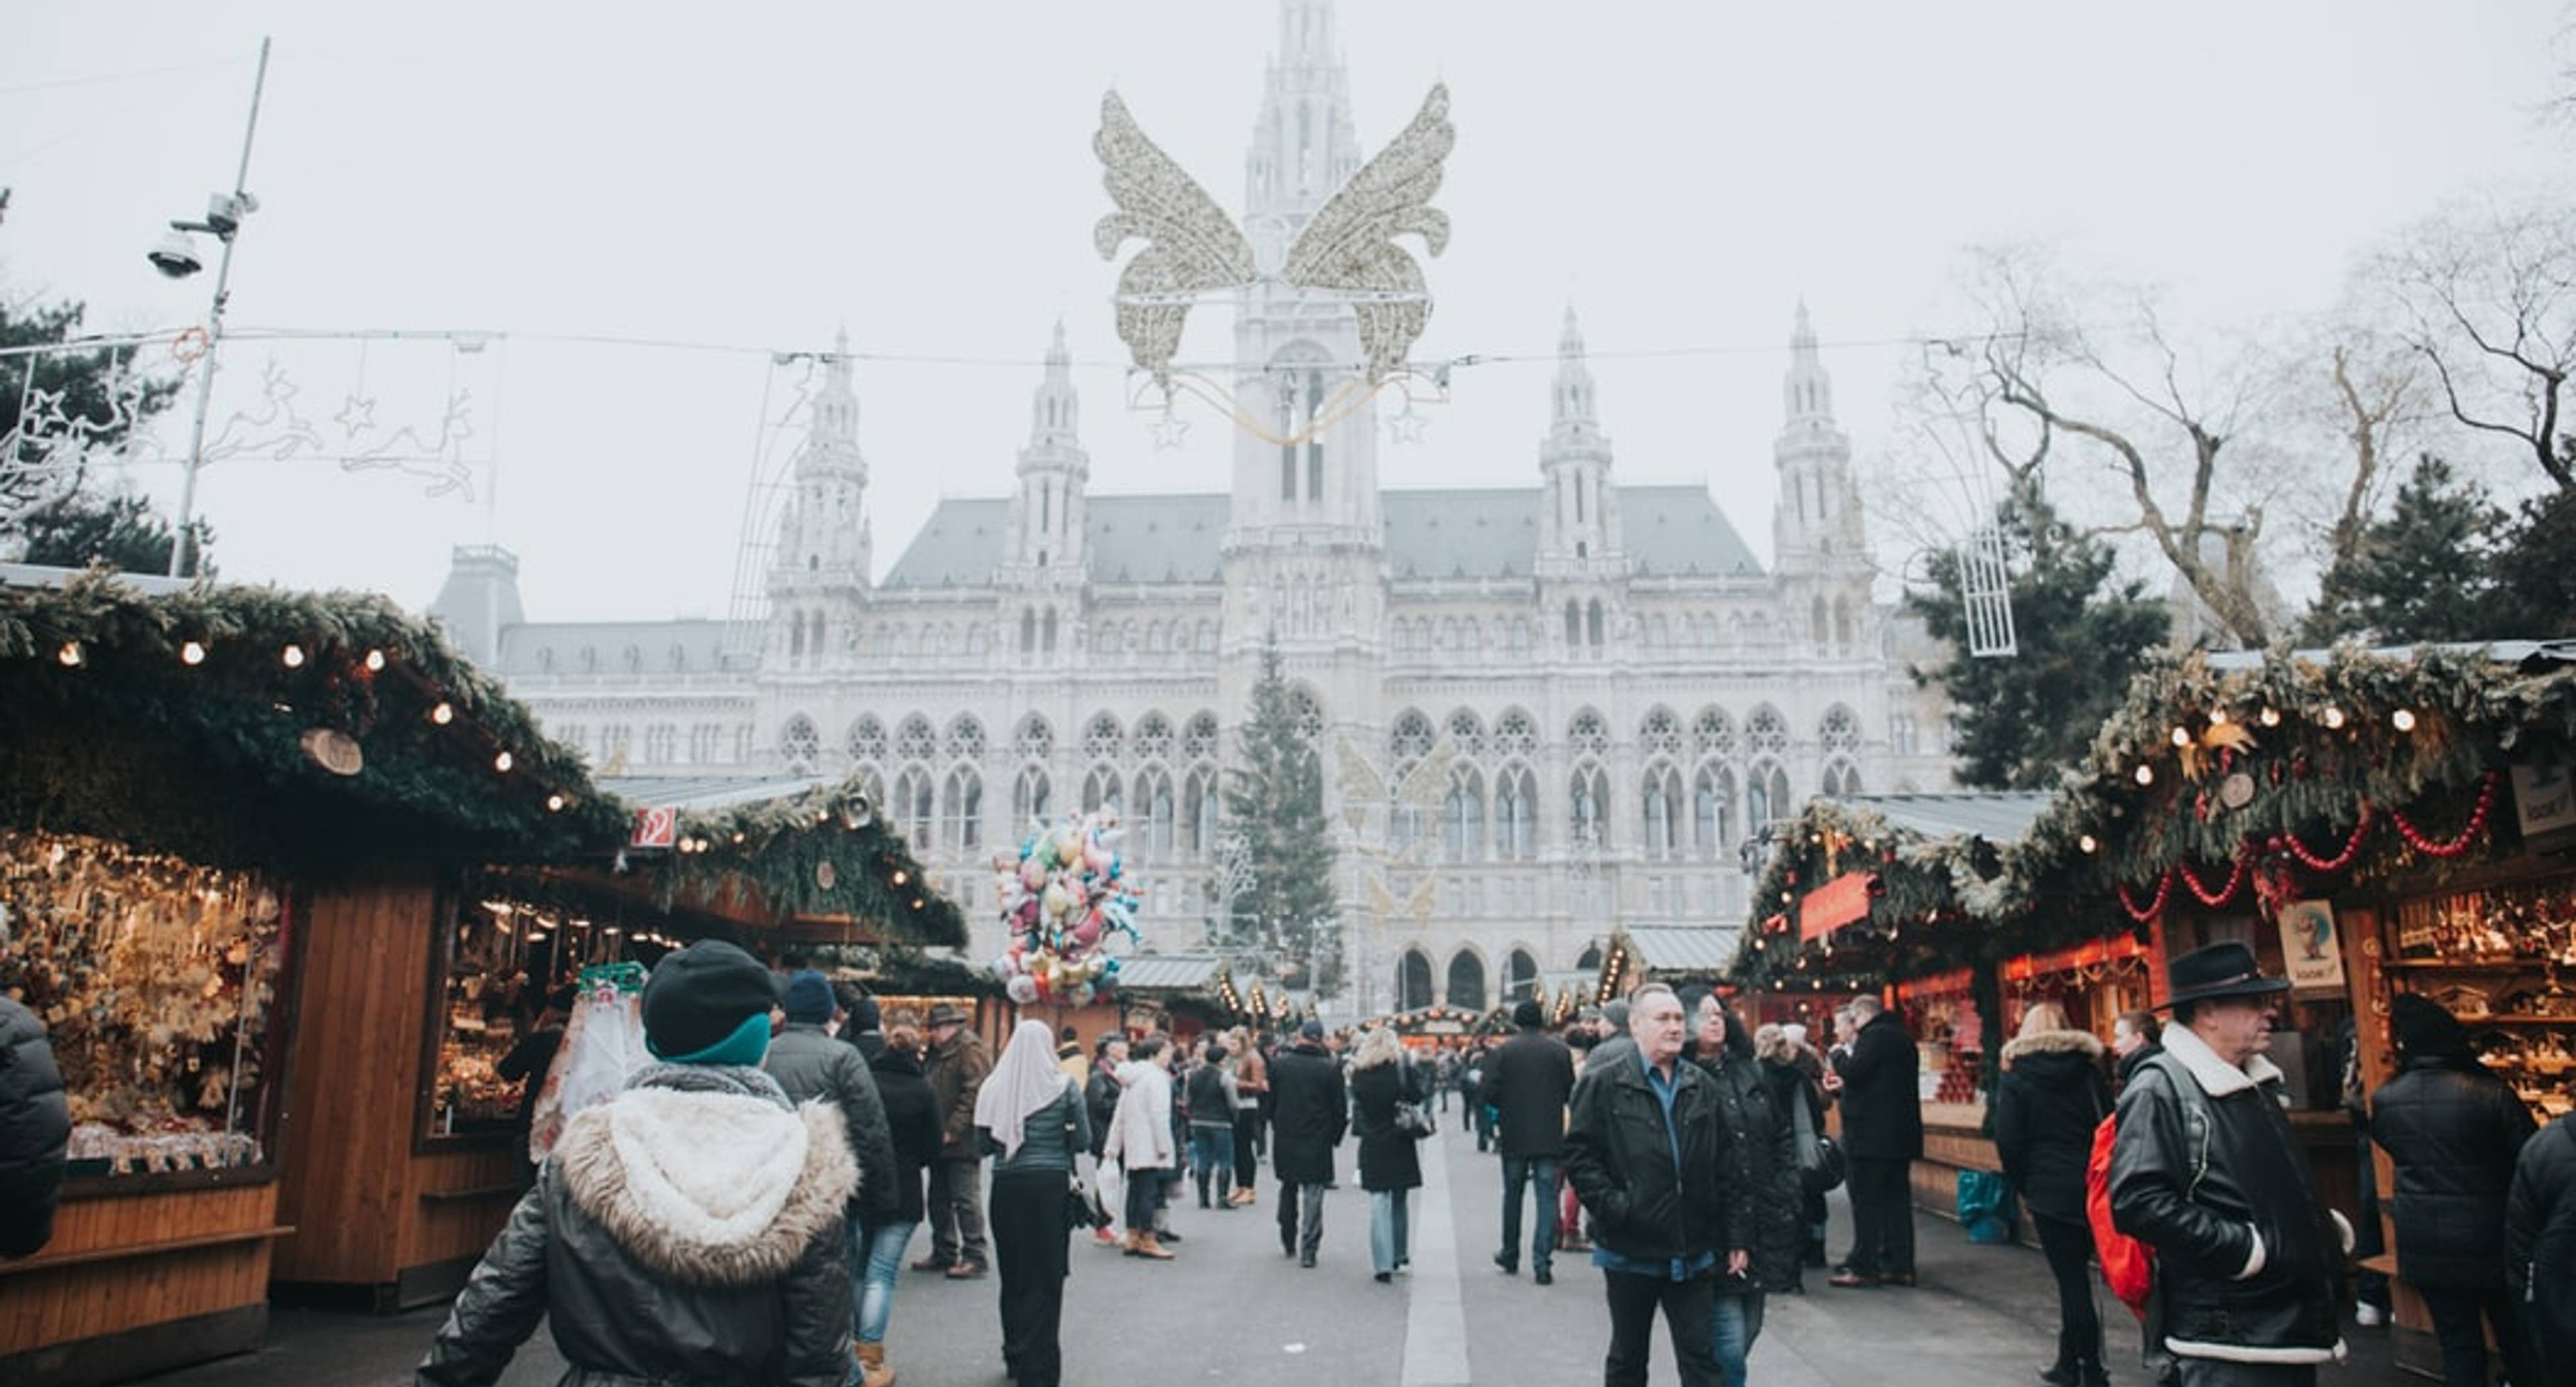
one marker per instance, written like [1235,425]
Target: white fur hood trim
[712,1188]
[2217,1077]
[2052,1042]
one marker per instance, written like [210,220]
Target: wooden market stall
[222,812]
[2371,822]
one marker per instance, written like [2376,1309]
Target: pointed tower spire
[1576,412]
[1579,526]
[1807,395]
[1303,145]
[1046,523]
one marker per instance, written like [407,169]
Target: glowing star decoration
[356,417]
[1170,430]
[51,448]
[1406,427]
[1346,252]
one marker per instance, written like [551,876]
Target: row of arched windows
[1465,980]
[1834,625]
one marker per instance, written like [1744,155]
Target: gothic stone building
[1631,695]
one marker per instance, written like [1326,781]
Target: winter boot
[1203,1189]
[1224,1189]
[873,1371]
[1147,1245]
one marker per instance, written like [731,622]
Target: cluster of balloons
[1063,897]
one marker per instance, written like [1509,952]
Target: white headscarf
[1024,1080]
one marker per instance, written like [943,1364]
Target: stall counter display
[155,980]
[2500,960]
[486,998]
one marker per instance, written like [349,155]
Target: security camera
[224,212]
[175,256]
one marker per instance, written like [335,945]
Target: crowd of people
[742,1210]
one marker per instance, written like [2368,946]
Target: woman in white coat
[1140,1140]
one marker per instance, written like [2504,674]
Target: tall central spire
[1303,146]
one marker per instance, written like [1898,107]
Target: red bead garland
[2235,883]
[2351,848]
[2475,829]
[2154,908]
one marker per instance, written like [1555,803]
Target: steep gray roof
[706,793]
[1470,533]
[1167,972]
[694,646]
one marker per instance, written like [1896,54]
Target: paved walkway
[1231,1310]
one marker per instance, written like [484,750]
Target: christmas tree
[1275,795]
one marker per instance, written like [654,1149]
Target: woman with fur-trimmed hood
[688,1230]
[2052,1095]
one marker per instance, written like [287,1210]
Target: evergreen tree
[53,517]
[1275,797]
[2082,636]
[2535,568]
[2423,572]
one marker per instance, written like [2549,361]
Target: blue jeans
[1540,1171]
[1734,1326]
[1211,1150]
[877,1255]
[1387,1240]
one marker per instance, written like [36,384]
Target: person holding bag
[1030,1115]
[1390,1170]
[2052,1095]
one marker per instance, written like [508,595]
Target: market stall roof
[1670,949]
[255,727]
[1996,816]
[2547,652]
[1168,972]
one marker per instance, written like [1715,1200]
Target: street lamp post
[174,257]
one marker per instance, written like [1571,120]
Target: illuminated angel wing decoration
[1381,902]
[1192,246]
[1363,787]
[1427,784]
[1350,244]
[1419,906]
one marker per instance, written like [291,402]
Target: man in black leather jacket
[1648,1155]
[2208,1173]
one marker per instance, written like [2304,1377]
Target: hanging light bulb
[901,876]
[2218,717]
[2271,717]
[2333,716]
[2181,736]
[503,762]
[375,662]
[2403,719]
[2089,843]
[443,714]
[2146,774]
[192,653]
[555,803]
[292,655]
[70,654]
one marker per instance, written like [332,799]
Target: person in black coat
[35,1128]
[1763,1152]
[1882,1138]
[912,1120]
[2050,1098]
[1310,1114]
[2540,1249]
[1382,1076]
[2454,1132]
[1528,1079]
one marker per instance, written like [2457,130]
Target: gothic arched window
[1412,981]
[1032,798]
[1103,740]
[1587,735]
[1466,981]
[1660,734]
[1713,733]
[1840,731]
[1467,733]
[1100,790]
[1199,805]
[961,809]
[1154,737]
[1046,641]
[1036,740]
[966,738]
[914,741]
[1199,739]
[1662,794]
[1573,624]
[1520,976]
[1462,817]
[1154,801]
[914,806]
[1767,732]
[1842,779]
[1766,796]
[799,745]
[1516,815]
[1515,735]
[1589,806]
[1411,737]
[867,739]
[1592,623]
[1712,810]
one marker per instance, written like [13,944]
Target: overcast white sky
[923,173]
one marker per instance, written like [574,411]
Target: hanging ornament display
[1061,899]
[2469,834]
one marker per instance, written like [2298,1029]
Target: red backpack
[2128,1265]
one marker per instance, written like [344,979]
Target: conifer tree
[2423,572]
[2024,717]
[1275,795]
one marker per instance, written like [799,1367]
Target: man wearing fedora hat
[956,1073]
[2207,1172]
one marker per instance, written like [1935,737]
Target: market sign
[2310,950]
[1839,902]
[2544,795]
[656,827]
